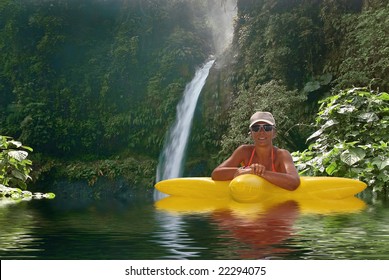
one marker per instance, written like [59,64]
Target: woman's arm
[288,177]
[228,169]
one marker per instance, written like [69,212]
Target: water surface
[136,227]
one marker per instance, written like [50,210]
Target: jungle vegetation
[92,85]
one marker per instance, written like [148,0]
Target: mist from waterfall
[220,19]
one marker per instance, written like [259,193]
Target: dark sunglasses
[266,127]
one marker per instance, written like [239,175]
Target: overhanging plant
[15,170]
[351,139]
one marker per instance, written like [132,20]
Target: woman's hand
[243,170]
[258,169]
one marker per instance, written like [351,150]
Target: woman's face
[262,133]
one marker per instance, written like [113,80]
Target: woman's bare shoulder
[245,148]
[283,153]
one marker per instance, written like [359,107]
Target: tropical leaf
[381,163]
[329,123]
[18,155]
[325,79]
[384,96]
[27,148]
[311,86]
[368,117]
[331,168]
[353,155]
[17,144]
[19,175]
[316,134]
[346,109]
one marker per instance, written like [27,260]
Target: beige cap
[262,117]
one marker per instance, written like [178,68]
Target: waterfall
[171,160]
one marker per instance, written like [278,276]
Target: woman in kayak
[262,159]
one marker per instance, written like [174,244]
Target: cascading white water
[171,160]
[220,19]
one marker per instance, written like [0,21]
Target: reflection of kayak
[306,206]
[260,228]
[251,188]
[258,235]
[186,205]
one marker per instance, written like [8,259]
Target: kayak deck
[252,188]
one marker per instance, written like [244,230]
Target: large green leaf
[368,117]
[353,155]
[381,163]
[17,174]
[311,86]
[17,144]
[328,123]
[384,96]
[316,134]
[18,155]
[325,79]
[345,109]
[331,168]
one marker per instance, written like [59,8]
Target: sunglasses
[266,127]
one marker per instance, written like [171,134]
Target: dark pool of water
[137,227]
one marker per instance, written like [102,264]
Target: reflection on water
[263,233]
[16,226]
[174,237]
[139,228]
[260,230]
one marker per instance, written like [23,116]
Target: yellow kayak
[252,188]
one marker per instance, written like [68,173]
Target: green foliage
[272,97]
[328,43]
[14,165]
[359,53]
[352,138]
[270,53]
[286,65]
[16,194]
[15,171]
[96,77]
[82,79]
[137,172]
